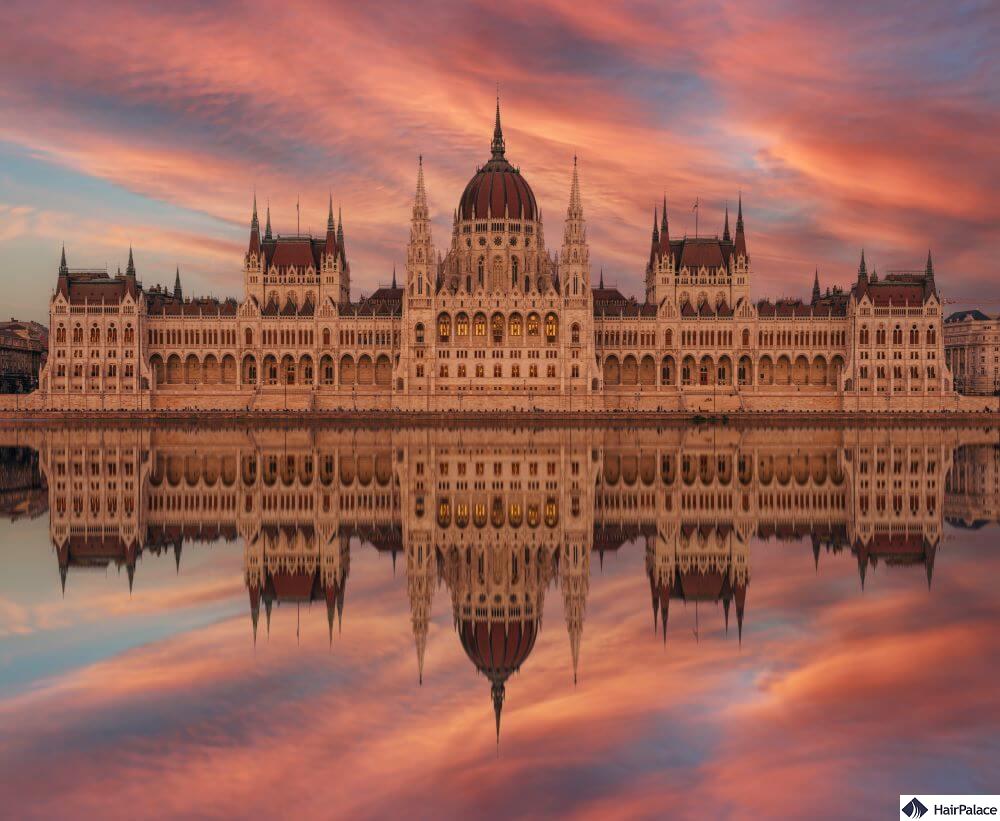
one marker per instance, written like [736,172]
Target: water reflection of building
[972,497]
[501,517]
[22,488]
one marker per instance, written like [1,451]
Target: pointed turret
[656,230]
[575,210]
[740,247]
[178,293]
[340,236]
[254,230]
[130,268]
[497,146]
[330,248]
[664,230]
[816,294]
[267,226]
[862,270]
[63,267]
[929,274]
[725,226]
[601,284]
[497,692]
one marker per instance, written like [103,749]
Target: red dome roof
[497,649]
[497,188]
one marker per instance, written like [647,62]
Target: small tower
[574,581]
[816,294]
[253,263]
[420,257]
[574,257]
[178,293]
[421,575]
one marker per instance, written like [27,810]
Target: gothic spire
[575,203]
[656,228]
[664,229]
[816,291]
[63,268]
[177,282]
[254,229]
[740,245]
[862,269]
[497,146]
[601,285]
[330,227]
[929,270]
[130,268]
[497,691]
[725,227]
[267,226]
[394,278]
[420,210]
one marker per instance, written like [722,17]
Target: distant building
[972,351]
[23,350]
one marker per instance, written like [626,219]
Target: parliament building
[497,322]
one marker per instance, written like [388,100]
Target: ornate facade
[504,518]
[497,322]
[972,351]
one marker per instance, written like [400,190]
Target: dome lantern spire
[497,146]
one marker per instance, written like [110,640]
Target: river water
[496,622]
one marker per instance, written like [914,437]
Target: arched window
[897,335]
[863,336]
[668,338]
[479,325]
[551,328]
[575,334]
[481,269]
[746,338]
[914,336]
[248,336]
[515,326]
[112,335]
[419,333]
[880,336]
[444,328]
[95,335]
[326,336]
[462,325]
[61,334]
[513,269]
[931,335]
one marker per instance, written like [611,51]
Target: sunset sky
[868,125]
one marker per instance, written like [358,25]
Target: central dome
[497,189]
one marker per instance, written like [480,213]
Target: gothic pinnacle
[497,146]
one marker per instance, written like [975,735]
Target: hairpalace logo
[949,806]
[914,809]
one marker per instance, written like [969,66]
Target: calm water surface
[496,622]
